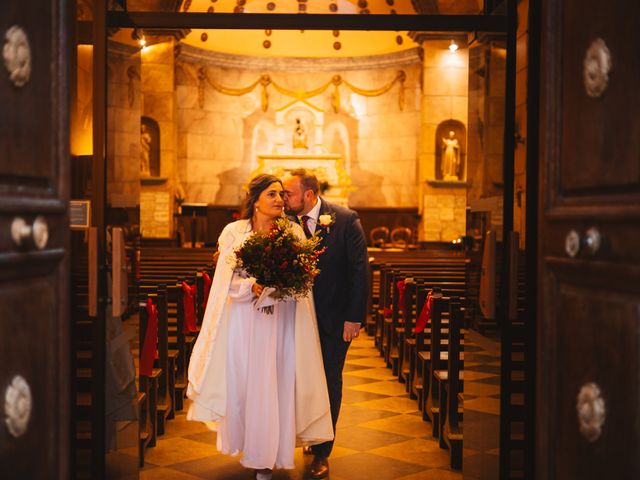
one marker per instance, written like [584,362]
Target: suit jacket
[341,290]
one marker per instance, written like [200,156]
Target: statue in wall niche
[450,157]
[299,135]
[145,151]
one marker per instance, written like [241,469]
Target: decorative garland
[298,95]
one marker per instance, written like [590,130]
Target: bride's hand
[257,289]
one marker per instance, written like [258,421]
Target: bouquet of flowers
[280,261]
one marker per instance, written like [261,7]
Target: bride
[259,376]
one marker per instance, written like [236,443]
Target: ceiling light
[453,46]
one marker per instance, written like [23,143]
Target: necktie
[304,219]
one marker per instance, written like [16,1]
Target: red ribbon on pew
[149,348]
[207,287]
[425,314]
[188,294]
[400,285]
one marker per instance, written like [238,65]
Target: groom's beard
[291,212]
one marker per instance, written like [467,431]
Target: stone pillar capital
[421,37]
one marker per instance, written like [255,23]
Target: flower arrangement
[278,259]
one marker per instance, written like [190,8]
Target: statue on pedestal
[145,151]
[450,157]
[299,135]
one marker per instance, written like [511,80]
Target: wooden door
[588,401]
[34,364]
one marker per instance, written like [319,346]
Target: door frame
[487,22]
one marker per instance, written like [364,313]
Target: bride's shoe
[264,474]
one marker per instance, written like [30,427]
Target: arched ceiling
[297,43]
[376,7]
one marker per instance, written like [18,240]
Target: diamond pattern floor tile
[380,435]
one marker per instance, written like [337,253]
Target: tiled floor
[481,407]
[380,436]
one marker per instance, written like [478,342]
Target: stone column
[444,97]
[487,64]
[123,126]
[159,103]
[486,104]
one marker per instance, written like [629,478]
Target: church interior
[448,126]
[406,128]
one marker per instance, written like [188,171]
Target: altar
[335,183]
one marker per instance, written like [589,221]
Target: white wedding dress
[259,376]
[260,418]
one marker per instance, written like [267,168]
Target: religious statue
[450,157]
[145,151]
[299,135]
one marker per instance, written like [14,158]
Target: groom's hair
[308,180]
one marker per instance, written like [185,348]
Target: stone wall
[220,135]
[444,98]
[124,105]
[211,135]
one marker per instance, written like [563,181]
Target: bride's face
[271,201]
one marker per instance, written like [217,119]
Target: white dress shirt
[313,215]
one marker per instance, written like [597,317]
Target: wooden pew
[386,317]
[433,403]
[393,324]
[421,355]
[432,360]
[162,393]
[407,343]
[175,301]
[416,257]
[145,427]
[397,329]
[166,362]
[148,385]
[450,387]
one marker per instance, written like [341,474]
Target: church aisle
[380,435]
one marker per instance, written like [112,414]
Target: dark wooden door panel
[34,293]
[591,145]
[29,312]
[589,316]
[601,136]
[595,339]
[29,113]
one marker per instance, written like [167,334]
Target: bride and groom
[274,381]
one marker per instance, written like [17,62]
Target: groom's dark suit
[340,293]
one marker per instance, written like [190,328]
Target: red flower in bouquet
[280,260]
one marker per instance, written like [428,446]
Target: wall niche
[451,151]
[149,148]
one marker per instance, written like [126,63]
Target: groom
[340,291]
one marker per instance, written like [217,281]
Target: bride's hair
[256,186]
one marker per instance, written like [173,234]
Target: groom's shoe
[319,467]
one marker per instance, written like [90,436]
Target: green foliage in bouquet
[279,259]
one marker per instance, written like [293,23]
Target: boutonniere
[326,221]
